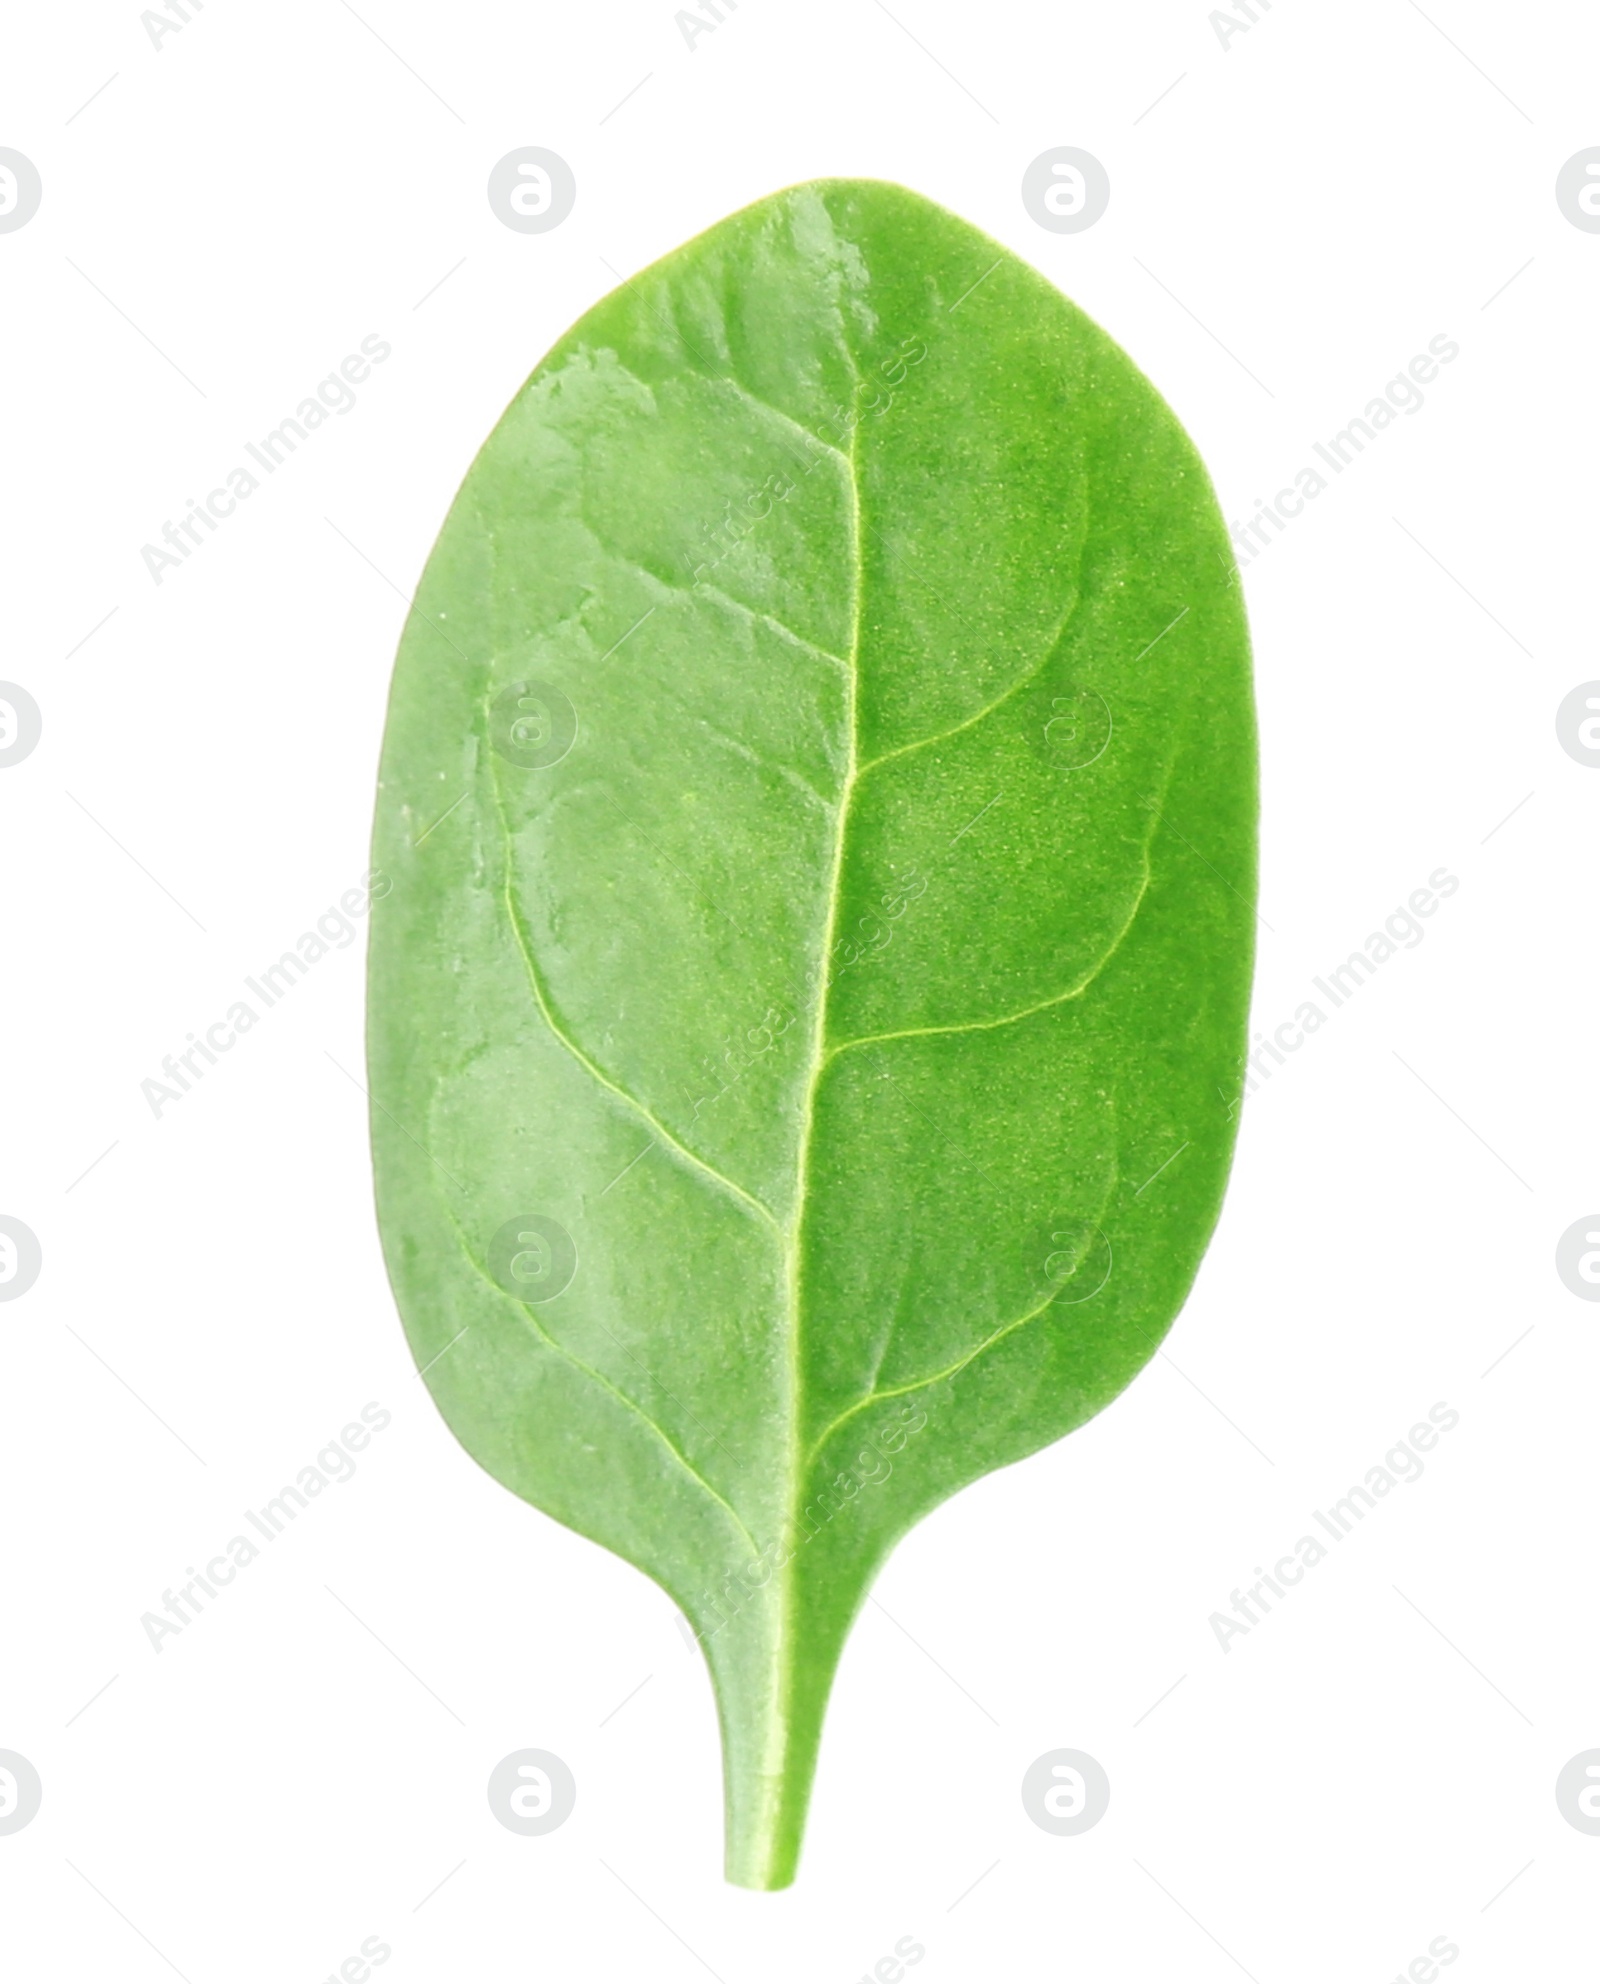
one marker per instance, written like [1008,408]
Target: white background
[1371,1766]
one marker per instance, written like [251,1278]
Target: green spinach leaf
[806,1021]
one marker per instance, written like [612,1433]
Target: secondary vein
[1027,1012]
[1023,681]
[600,1379]
[702,589]
[598,1074]
[876,1397]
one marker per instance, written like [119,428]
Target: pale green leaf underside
[863,990]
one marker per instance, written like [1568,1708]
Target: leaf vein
[599,1378]
[670,1143]
[1023,681]
[1027,1012]
[737,748]
[701,589]
[788,420]
[876,1397]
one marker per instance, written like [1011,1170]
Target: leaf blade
[884,926]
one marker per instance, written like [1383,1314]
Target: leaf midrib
[778,1727]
